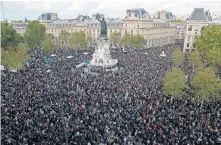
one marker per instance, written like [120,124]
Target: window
[195,33]
[188,38]
[187,45]
[190,28]
[137,25]
[131,31]
[125,31]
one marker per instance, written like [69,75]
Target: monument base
[101,56]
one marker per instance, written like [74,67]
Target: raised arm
[98,17]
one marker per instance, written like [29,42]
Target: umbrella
[48,70]
[69,56]
[163,54]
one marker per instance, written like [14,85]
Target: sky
[19,10]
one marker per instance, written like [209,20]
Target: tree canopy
[174,82]
[15,57]
[9,37]
[64,37]
[34,34]
[209,43]
[194,59]
[180,20]
[137,41]
[206,86]
[126,40]
[78,40]
[115,38]
[177,57]
[47,44]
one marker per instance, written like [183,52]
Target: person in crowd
[66,105]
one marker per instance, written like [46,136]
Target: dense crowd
[53,102]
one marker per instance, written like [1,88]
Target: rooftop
[200,14]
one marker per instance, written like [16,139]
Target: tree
[174,82]
[15,57]
[138,41]
[209,43]
[115,38]
[34,34]
[180,20]
[177,57]
[9,36]
[47,44]
[78,40]
[126,40]
[195,60]
[206,86]
[58,44]
[64,37]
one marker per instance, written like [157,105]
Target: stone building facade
[156,32]
[198,19]
[19,26]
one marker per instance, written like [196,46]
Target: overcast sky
[19,10]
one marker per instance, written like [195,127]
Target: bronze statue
[103,31]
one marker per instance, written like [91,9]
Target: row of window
[188,45]
[108,24]
[160,25]
[90,25]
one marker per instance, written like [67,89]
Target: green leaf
[174,82]
[177,57]
[206,86]
[34,34]
[9,37]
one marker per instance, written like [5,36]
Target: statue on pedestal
[103,31]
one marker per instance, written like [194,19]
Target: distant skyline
[19,10]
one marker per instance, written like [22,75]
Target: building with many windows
[198,19]
[19,26]
[157,32]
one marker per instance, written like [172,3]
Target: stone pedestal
[102,56]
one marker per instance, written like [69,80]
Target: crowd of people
[67,106]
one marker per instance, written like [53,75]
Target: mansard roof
[200,14]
